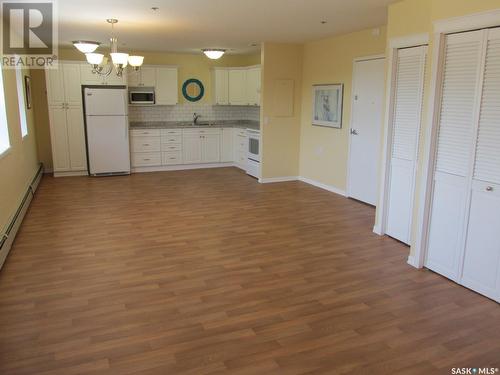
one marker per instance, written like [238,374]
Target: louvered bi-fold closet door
[408,97]
[455,144]
[481,266]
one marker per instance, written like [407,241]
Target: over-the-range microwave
[141,95]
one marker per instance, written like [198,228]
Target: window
[4,130]
[21,102]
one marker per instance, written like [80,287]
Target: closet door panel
[481,270]
[447,225]
[462,71]
[482,254]
[408,95]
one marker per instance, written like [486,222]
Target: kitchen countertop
[241,124]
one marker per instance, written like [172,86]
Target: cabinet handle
[147,159]
[489,188]
[145,144]
[171,158]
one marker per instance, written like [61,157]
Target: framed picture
[327,105]
[27,91]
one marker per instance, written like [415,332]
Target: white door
[210,148]
[366,126]
[455,144]
[191,148]
[76,138]
[408,97]
[108,144]
[166,86]
[59,138]
[72,84]
[481,270]
[221,77]
[237,87]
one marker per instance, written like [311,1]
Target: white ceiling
[189,25]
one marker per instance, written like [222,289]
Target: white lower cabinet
[240,146]
[227,153]
[76,138]
[191,148]
[170,147]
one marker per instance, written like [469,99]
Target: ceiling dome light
[135,60]
[119,58]
[214,54]
[85,46]
[94,58]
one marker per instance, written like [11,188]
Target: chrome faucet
[195,118]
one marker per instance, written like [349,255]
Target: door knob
[354,132]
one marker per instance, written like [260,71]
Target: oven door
[254,147]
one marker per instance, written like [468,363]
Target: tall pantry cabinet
[67,132]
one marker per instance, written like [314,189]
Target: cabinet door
[253,86]
[148,77]
[237,87]
[210,148]
[166,86]
[87,77]
[227,145]
[221,86]
[191,148]
[55,86]
[76,138]
[59,138]
[133,77]
[72,84]
[113,79]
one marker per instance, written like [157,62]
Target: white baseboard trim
[272,180]
[412,261]
[377,229]
[320,185]
[10,232]
[71,174]
[181,167]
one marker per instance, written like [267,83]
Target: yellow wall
[19,165]
[280,135]
[324,151]
[190,66]
[409,17]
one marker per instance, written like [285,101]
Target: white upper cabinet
[148,76]
[253,86]
[72,84]
[55,86]
[166,87]
[221,86]
[144,77]
[89,78]
[238,87]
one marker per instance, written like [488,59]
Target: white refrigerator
[106,124]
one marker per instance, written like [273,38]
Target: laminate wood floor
[207,272]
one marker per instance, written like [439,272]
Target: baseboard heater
[11,231]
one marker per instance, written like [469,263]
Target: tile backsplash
[184,112]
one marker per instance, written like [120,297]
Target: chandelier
[99,61]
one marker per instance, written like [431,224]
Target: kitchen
[167,117]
